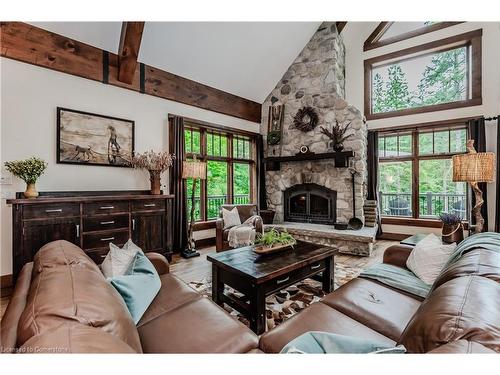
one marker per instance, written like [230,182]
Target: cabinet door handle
[106,207]
[107,239]
[77,230]
[133,224]
[149,205]
[54,210]
[283,280]
[315,267]
[107,222]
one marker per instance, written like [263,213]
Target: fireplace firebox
[310,203]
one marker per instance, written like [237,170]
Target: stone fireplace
[310,203]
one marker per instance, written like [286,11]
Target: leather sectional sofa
[62,303]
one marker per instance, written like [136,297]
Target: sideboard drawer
[91,224]
[104,208]
[43,211]
[103,239]
[98,255]
[148,205]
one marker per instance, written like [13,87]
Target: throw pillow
[230,218]
[139,286]
[331,343]
[428,258]
[118,260]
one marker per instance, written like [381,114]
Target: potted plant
[155,163]
[29,171]
[453,230]
[273,240]
[337,136]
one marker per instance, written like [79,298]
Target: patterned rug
[287,302]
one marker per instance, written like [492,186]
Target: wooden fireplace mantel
[273,163]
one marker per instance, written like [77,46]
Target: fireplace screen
[310,203]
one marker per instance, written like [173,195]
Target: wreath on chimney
[306,119]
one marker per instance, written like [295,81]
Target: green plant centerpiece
[29,171]
[452,227]
[273,240]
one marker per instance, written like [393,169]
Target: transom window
[435,76]
[230,169]
[415,172]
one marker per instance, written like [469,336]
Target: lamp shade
[194,169]
[474,167]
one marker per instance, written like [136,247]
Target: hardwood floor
[197,269]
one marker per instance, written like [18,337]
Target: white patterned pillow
[119,260]
[428,258]
[230,218]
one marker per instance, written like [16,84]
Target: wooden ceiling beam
[128,51]
[340,26]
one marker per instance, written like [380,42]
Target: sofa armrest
[160,263]
[397,255]
[219,233]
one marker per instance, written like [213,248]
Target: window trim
[415,158]
[230,133]
[373,41]
[470,39]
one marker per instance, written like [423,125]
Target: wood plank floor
[199,268]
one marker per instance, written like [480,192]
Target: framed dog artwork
[92,139]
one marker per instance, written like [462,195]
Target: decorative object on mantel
[91,139]
[195,170]
[272,241]
[275,128]
[29,171]
[305,119]
[354,222]
[337,136]
[370,212]
[453,230]
[474,167]
[155,163]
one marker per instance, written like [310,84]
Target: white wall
[354,36]
[29,97]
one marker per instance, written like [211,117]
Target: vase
[452,233]
[337,147]
[30,192]
[155,180]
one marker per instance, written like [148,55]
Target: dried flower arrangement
[155,163]
[337,135]
[29,171]
[450,219]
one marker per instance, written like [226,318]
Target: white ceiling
[243,58]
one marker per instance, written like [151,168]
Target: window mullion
[415,180]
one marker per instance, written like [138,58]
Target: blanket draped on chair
[243,234]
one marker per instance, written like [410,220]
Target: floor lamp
[196,170]
[474,167]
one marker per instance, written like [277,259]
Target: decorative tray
[269,250]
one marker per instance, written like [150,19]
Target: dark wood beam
[340,26]
[32,45]
[128,51]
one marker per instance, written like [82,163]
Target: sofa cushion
[75,338]
[317,317]
[60,253]
[462,347]
[462,308]
[74,292]
[199,326]
[376,306]
[173,293]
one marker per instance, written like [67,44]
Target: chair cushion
[199,326]
[317,317]
[382,309]
[462,347]
[462,308]
[231,218]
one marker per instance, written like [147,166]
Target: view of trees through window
[214,148]
[421,81]
[430,164]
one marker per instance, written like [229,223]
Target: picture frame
[85,138]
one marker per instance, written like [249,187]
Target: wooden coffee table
[257,276]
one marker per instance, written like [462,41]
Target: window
[230,169]
[438,75]
[415,172]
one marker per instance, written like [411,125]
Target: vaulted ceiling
[243,58]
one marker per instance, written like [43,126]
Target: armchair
[245,211]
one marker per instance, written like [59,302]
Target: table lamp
[474,167]
[194,169]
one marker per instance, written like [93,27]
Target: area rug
[287,302]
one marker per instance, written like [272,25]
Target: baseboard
[205,242]
[393,236]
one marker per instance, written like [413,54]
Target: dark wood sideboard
[90,220]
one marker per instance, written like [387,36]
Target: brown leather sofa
[245,211]
[63,304]
[462,315]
